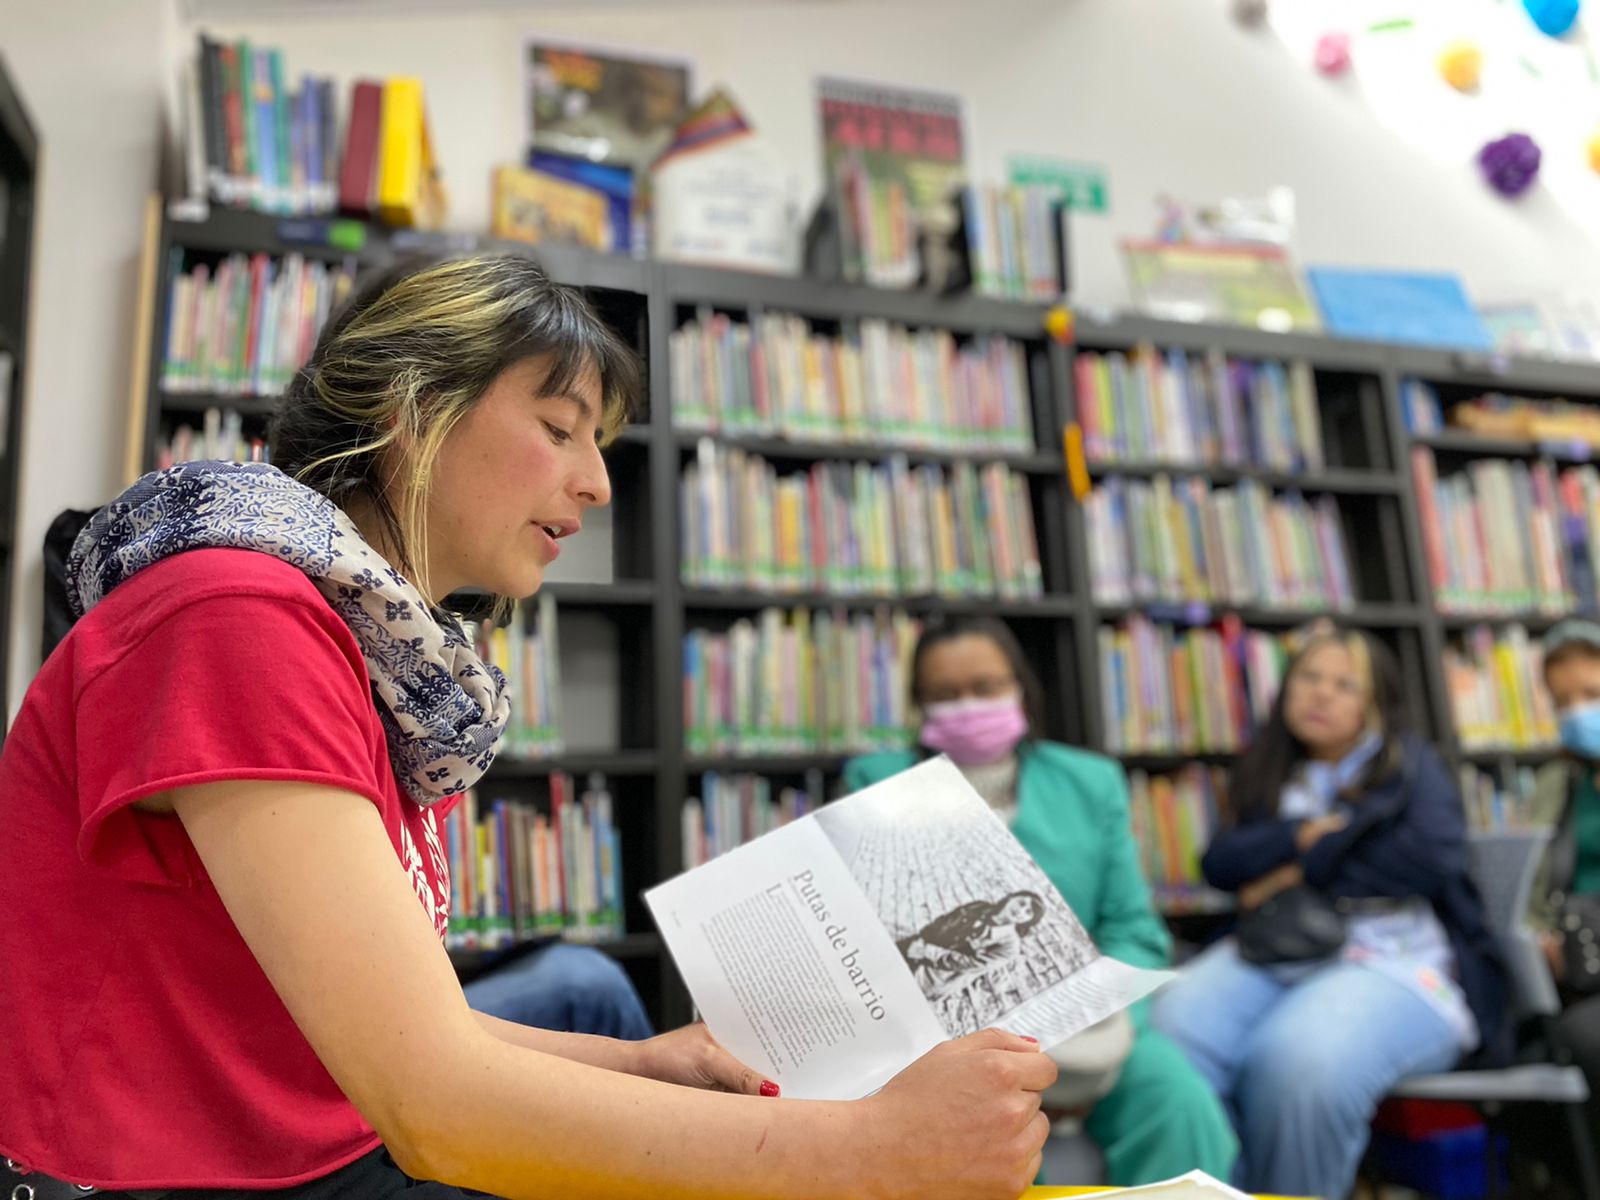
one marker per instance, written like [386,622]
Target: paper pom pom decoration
[1510,164]
[1250,13]
[1333,53]
[1594,152]
[1460,66]
[1553,17]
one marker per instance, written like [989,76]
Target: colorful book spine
[1507,537]
[262,145]
[1185,541]
[1148,405]
[794,682]
[245,325]
[519,869]
[857,529]
[1168,690]
[730,810]
[1174,816]
[872,381]
[526,651]
[1495,681]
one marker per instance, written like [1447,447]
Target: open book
[834,951]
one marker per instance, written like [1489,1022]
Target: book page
[1196,1185]
[790,968]
[985,933]
[832,952]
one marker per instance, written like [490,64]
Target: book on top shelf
[251,140]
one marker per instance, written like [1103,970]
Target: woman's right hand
[963,1121]
[1551,942]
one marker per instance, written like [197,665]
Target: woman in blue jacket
[1335,796]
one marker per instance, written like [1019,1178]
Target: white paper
[834,951]
[1196,1185]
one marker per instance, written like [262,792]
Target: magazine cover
[894,159]
[600,104]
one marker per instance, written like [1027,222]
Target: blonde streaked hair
[407,357]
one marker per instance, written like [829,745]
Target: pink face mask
[974,732]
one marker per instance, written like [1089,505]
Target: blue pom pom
[1553,17]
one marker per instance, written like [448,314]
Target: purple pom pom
[1511,163]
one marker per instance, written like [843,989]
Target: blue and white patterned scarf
[442,708]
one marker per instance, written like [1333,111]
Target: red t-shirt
[144,1046]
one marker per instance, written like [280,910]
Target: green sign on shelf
[1081,185]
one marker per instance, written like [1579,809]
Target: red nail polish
[1026,1038]
[768,1088]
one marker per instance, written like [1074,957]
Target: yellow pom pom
[1594,152]
[1058,324]
[1460,66]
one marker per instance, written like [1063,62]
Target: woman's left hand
[691,1057]
[1254,895]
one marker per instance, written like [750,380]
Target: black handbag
[1577,917]
[1298,924]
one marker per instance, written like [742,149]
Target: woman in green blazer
[979,702]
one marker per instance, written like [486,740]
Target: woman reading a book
[1149,1111]
[224,970]
[1361,955]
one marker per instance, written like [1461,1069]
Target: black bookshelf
[1367,470]
[19,164]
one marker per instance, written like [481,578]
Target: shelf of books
[821,470]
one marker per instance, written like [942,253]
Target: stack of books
[857,529]
[1509,537]
[798,682]
[1174,691]
[518,870]
[1497,695]
[1186,541]
[874,381]
[245,325]
[732,809]
[531,661]
[1154,406]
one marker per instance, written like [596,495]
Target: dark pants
[1579,1029]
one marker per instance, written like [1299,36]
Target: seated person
[1335,794]
[1567,797]
[1150,1112]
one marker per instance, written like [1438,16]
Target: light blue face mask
[1580,729]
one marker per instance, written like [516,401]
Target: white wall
[1169,94]
[91,73]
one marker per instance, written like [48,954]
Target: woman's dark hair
[1024,928]
[997,632]
[405,359]
[1259,775]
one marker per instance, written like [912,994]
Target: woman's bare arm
[311,881]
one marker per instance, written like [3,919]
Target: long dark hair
[997,632]
[1259,775]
